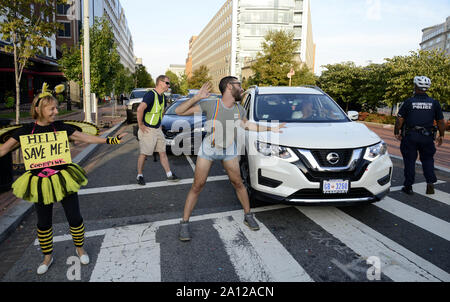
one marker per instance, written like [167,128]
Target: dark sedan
[183,134]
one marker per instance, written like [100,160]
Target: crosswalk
[294,244]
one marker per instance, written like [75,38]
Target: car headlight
[375,151]
[273,150]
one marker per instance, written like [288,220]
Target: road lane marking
[263,258]
[158,184]
[189,159]
[157,224]
[397,262]
[421,219]
[128,254]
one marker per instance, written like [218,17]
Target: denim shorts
[210,153]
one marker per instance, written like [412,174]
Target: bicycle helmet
[423,83]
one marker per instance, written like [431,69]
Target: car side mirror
[353,115]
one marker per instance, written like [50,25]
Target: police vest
[155,114]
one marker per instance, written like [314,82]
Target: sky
[361,31]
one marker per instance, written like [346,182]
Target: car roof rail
[314,87]
[256,88]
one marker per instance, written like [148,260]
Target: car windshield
[173,107]
[298,108]
[138,94]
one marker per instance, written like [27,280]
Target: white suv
[322,156]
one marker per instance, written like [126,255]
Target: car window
[138,94]
[298,108]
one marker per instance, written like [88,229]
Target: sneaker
[249,220]
[173,178]
[141,181]
[43,268]
[185,235]
[430,189]
[408,190]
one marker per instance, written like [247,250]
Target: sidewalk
[12,208]
[386,132]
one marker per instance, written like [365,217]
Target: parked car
[133,102]
[322,157]
[181,129]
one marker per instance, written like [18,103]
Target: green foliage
[105,60]
[124,81]
[27,30]
[275,61]
[142,78]
[342,82]
[389,83]
[401,70]
[9,102]
[199,77]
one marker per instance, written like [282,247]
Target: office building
[437,37]
[233,37]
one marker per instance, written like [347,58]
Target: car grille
[318,194]
[354,174]
[321,157]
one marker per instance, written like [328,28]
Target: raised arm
[190,107]
[91,139]
[7,147]
[247,125]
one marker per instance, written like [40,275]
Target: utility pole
[87,63]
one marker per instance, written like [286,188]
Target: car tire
[245,175]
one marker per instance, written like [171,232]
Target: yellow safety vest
[155,115]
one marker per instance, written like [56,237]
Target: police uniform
[419,113]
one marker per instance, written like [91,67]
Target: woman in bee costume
[48,180]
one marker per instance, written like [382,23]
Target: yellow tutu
[51,189]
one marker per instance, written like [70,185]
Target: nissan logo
[333,158]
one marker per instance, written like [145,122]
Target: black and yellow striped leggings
[44,226]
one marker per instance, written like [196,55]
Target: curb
[14,216]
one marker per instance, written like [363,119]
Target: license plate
[335,186]
[170,142]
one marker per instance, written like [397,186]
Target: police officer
[416,120]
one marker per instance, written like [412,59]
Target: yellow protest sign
[43,150]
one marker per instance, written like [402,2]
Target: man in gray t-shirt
[222,117]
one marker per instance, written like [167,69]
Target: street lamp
[87,63]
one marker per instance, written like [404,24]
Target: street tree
[275,61]
[401,70]
[27,25]
[105,60]
[142,78]
[174,82]
[199,77]
[342,82]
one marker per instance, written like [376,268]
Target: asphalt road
[132,232]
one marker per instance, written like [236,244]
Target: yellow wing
[84,127]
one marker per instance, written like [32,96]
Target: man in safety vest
[151,138]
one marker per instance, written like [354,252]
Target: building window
[61,9]
[65,32]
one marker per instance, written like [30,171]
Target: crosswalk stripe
[439,195]
[128,254]
[421,219]
[147,186]
[398,263]
[264,259]
[418,188]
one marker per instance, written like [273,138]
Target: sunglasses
[167,83]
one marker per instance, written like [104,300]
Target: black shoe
[408,190]
[430,189]
[141,181]
[173,178]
